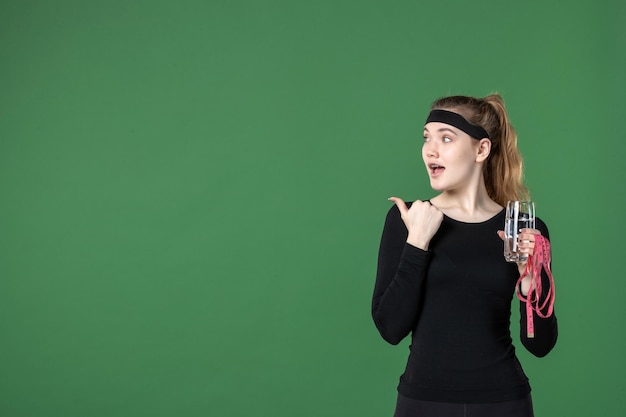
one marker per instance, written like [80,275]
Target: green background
[192,194]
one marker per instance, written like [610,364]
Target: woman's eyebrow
[442,129]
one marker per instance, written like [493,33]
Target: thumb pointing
[400,204]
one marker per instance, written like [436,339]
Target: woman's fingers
[526,240]
[528,234]
[422,221]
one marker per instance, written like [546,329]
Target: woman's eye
[426,138]
[446,139]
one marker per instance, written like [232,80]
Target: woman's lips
[435,169]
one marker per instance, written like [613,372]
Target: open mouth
[435,169]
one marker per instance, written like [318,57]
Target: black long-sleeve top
[455,299]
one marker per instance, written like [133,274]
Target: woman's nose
[430,149]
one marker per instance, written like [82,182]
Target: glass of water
[519,215]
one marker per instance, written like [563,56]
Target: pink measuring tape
[538,261]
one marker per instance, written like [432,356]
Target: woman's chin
[436,186]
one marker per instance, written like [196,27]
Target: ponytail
[504,169]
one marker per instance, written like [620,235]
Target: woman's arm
[545,329]
[399,280]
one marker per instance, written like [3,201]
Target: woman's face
[450,156]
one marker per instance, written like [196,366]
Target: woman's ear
[483,150]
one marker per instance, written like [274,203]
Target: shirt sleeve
[399,281]
[546,329]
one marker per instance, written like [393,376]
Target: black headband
[458,121]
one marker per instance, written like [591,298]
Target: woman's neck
[469,205]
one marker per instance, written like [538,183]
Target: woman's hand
[422,221]
[525,244]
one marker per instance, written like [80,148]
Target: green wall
[192,194]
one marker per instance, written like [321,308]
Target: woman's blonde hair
[503,171]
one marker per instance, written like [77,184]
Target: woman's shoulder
[395,211]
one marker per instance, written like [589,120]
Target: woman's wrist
[417,242]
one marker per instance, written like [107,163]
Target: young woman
[442,276]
